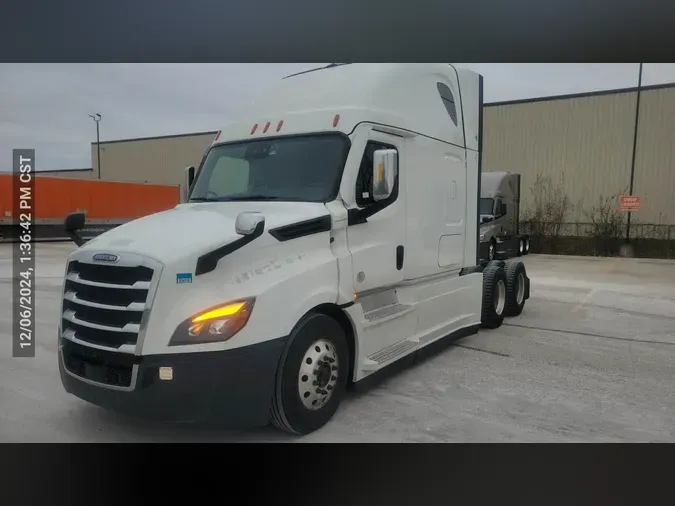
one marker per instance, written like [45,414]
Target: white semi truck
[330,233]
[500,236]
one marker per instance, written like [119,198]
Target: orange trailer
[106,203]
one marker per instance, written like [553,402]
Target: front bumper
[233,388]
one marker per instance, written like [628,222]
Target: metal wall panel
[655,158]
[69,174]
[587,141]
[160,160]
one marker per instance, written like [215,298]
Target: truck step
[387,354]
[386,312]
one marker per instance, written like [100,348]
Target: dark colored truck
[500,236]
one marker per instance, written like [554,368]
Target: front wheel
[312,376]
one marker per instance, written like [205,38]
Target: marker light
[166,373]
[215,324]
[267,125]
[254,128]
[336,120]
[279,125]
[217,136]
[380,172]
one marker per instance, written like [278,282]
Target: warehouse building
[587,139]
[583,141]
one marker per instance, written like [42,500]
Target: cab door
[377,243]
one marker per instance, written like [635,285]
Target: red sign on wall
[629,203]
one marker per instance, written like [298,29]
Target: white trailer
[330,233]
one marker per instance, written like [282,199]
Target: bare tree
[545,217]
[607,225]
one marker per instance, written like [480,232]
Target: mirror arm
[76,238]
[190,173]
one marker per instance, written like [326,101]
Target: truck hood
[489,229]
[190,229]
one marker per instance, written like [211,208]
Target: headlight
[215,324]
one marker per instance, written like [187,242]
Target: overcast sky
[46,106]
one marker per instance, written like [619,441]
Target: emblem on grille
[105,257]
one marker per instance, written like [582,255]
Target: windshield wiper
[249,197]
[203,199]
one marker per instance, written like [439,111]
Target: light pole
[635,137]
[97,118]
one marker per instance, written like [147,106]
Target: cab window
[364,182]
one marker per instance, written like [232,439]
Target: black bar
[480,165]
[635,136]
[98,149]
[23,255]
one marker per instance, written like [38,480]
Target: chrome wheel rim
[500,300]
[318,374]
[520,288]
[491,252]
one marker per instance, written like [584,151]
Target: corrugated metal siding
[157,160]
[69,174]
[588,141]
[655,157]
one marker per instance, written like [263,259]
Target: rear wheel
[526,245]
[521,246]
[494,296]
[312,376]
[515,288]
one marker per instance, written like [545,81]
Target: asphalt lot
[592,358]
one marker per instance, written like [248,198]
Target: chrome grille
[104,304]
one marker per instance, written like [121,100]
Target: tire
[296,387]
[526,244]
[494,297]
[492,250]
[521,246]
[516,290]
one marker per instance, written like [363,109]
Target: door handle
[399,257]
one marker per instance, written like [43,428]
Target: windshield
[301,168]
[486,206]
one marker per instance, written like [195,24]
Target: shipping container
[106,204]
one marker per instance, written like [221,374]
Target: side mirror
[74,222]
[484,219]
[248,222]
[385,170]
[187,183]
